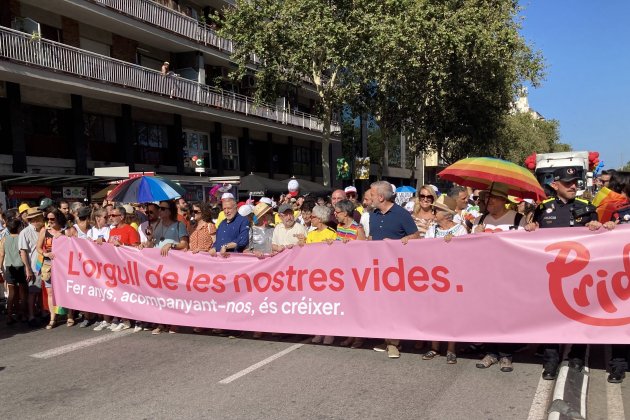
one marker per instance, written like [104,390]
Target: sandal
[70,322]
[451,358]
[51,325]
[431,354]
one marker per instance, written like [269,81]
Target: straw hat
[33,212]
[261,209]
[445,203]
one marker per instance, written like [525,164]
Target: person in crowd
[63,206]
[367,209]
[13,272]
[287,233]
[321,233]
[27,242]
[444,227]
[305,213]
[498,218]
[526,207]
[233,232]
[389,221]
[565,209]
[23,209]
[183,213]
[348,230]
[203,231]
[261,233]
[82,222]
[460,195]
[57,222]
[352,195]
[99,232]
[605,177]
[423,215]
[336,197]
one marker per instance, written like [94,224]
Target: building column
[177,144]
[77,133]
[270,154]
[217,141]
[16,127]
[126,138]
[244,152]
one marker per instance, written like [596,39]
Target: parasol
[146,189]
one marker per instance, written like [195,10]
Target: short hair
[385,189]
[74,207]
[14,225]
[322,213]
[454,192]
[620,182]
[345,205]
[308,204]
[122,210]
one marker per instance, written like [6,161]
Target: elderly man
[233,232]
[27,243]
[339,195]
[389,221]
[288,233]
[498,217]
[352,195]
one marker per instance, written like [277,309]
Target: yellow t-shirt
[316,236]
[220,218]
[360,209]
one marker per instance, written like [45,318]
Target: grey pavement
[140,376]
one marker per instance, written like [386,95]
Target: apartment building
[82,86]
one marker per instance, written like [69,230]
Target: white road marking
[260,364]
[538,410]
[80,344]
[584,392]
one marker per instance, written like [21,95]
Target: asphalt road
[80,373]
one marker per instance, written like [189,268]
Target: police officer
[564,209]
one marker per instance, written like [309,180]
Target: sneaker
[317,339]
[550,371]
[487,361]
[137,328]
[158,330]
[451,358]
[616,376]
[122,326]
[431,354]
[113,326]
[392,352]
[576,363]
[84,324]
[328,340]
[102,326]
[381,347]
[505,364]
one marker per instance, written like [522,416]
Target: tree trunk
[326,147]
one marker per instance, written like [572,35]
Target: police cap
[567,174]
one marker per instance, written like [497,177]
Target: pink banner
[553,285]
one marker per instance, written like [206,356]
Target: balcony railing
[169,20]
[31,50]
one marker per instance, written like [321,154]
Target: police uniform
[555,213]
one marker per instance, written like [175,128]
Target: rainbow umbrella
[484,172]
[146,189]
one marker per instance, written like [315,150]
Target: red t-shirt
[126,235]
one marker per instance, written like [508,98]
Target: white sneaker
[122,326]
[113,326]
[317,339]
[137,328]
[102,325]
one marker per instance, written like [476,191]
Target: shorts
[15,276]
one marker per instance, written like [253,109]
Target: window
[301,160]
[230,153]
[196,143]
[99,128]
[151,142]
[46,131]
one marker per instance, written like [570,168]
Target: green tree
[307,40]
[522,134]
[625,167]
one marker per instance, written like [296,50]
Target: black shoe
[616,377]
[550,372]
[576,363]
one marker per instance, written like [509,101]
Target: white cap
[393,187]
[227,196]
[409,206]
[293,185]
[245,210]
[435,189]
[267,201]
[350,189]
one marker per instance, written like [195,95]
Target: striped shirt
[350,233]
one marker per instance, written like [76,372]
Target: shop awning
[54,180]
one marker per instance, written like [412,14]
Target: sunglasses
[150,212]
[475,197]
[425,197]
[196,211]
[115,215]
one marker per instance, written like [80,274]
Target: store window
[230,153]
[196,143]
[46,132]
[301,160]
[100,133]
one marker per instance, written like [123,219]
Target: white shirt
[94,233]
[502,224]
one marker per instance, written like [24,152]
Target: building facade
[82,86]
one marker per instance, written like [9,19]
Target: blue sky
[586,45]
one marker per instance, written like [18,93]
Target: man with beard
[565,209]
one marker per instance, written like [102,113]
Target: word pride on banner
[553,285]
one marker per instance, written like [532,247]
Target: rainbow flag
[608,202]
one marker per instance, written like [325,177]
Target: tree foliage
[443,72]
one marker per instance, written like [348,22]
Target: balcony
[169,20]
[31,50]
